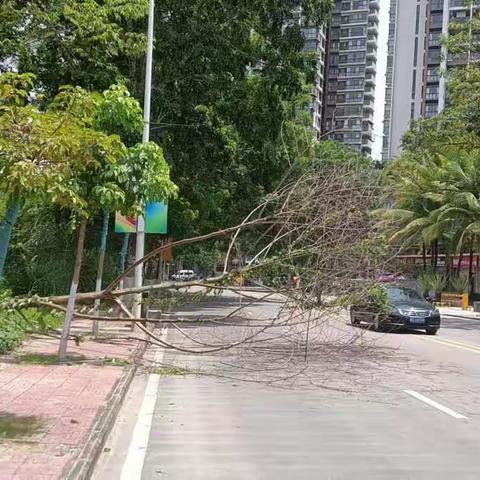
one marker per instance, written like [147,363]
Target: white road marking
[133,466]
[435,404]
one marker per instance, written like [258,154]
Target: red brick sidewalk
[47,411]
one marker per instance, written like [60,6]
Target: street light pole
[140,243]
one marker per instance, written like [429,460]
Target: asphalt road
[398,406]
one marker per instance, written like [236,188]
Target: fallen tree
[316,227]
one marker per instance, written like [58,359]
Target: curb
[456,315]
[81,468]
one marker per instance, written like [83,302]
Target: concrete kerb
[81,468]
[464,314]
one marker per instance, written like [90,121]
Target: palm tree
[437,200]
[412,222]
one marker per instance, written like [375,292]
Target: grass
[47,359]
[18,427]
[116,362]
[15,324]
[37,359]
[169,371]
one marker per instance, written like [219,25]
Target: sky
[382,51]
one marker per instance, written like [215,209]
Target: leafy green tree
[119,179]
[230,83]
[89,43]
[229,86]
[39,151]
[58,157]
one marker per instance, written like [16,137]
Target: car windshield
[401,294]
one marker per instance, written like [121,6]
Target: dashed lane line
[435,404]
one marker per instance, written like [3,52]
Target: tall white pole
[140,243]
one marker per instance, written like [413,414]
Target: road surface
[409,408]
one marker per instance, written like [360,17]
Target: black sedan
[407,309]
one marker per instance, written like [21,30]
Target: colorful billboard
[156,219]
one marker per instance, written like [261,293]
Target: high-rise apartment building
[315,42]
[417,61]
[350,73]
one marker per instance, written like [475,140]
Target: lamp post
[140,242]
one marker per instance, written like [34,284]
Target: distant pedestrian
[296,281]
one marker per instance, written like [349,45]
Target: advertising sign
[156,220]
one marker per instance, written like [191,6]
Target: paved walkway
[46,411]
[458,312]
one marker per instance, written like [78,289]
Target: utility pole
[140,243]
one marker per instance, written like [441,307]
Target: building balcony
[356,10]
[352,49]
[352,63]
[350,89]
[340,113]
[359,101]
[348,36]
[436,6]
[368,105]
[368,116]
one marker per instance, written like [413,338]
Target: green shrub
[14,325]
[460,283]
[432,282]
[42,254]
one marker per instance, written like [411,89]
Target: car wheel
[353,320]
[431,330]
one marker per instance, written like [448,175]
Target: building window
[433,75]
[431,109]
[414,84]
[436,20]
[432,92]
[434,39]
[417,20]
[434,56]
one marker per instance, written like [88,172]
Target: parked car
[406,309]
[184,276]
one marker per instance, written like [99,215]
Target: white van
[184,276]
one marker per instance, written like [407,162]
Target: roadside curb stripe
[435,404]
[133,466]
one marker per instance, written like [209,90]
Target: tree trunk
[124,252]
[470,271]
[448,265]
[62,351]
[459,264]
[101,262]
[424,257]
[6,227]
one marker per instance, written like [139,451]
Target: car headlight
[405,313]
